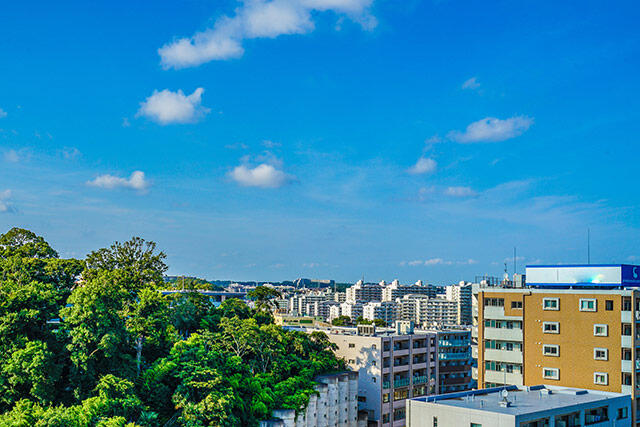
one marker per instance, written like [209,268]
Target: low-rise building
[335,405]
[512,406]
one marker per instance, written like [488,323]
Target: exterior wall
[398,366]
[454,359]
[576,341]
[335,405]
[422,414]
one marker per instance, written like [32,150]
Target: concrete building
[536,406]
[392,367]
[454,359]
[395,290]
[386,310]
[428,312]
[363,292]
[571,325]
[351,309]
[335,405]
[461,294]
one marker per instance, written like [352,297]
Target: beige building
[392,365]
[584,335]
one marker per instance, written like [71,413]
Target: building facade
[571,326]
[454,360]
[392,367]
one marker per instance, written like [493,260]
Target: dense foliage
[95,343]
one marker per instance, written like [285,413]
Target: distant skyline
[270,140]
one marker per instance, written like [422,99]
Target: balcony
[626,341]
[504,334]
[453,343]
[403,382]
[626,316]
[501,377]
[401,352]
[503,356]
[420,380]
[454,356]
[626,366]
[386,384]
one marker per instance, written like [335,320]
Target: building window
[596,415]
[550,304]
[385,418]
[551,373]
[600,330]
[351,361]
[608,305]
[516,304]
[373,346]
[494,302]
[475,425]
[551,350]
[601,354]
[352,345]
[623,413]
[385,398]
[588,304]
[600,378]
[551,327]
[435,421]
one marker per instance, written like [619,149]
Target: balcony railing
[454,343]
[386,384]
[403,382]
[453,356]
[420,380]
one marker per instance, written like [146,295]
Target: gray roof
[523,400]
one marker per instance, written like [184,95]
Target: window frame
[556,308]
[606,330]
[557,325]
[554,346]
[606,378]
[587,300]
[606,353]
[555,377]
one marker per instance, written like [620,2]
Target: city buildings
[461,294]
[364,292]
[572,325]
[395,290]
[536,406]
[428,312]
[393,365]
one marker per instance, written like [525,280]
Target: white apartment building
[335,405]
[462,295]
[351,309]
[392,367]
[428,312]
[395,290]
[364,292]
[386,310]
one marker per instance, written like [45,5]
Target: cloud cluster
[491,129]
[4,205]
[437,261]
[422,166]
[263,176]
[257,19]
[166,107]
[136,181]
[460,191]
[472,83]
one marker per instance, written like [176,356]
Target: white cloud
[472,83]
[70,153]
[4,205]
[491,129]
[11,156]
[136,181]
[423,165]
[264,176]
[3,113]
[166,107]
[257,19]
[437,261]
[459,191]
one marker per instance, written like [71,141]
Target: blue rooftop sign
[583,275]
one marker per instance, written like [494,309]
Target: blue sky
[325,138]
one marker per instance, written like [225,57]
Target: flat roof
[524,400]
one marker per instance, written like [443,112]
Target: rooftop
[523,400]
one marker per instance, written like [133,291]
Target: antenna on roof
[514,260]
[588,245]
